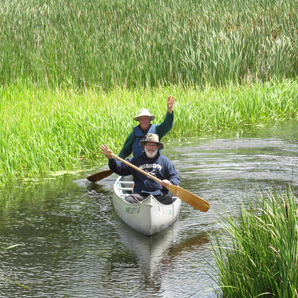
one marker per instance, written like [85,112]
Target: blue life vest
[136,147]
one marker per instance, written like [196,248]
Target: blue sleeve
[174,178]
[119,167]
[172,174]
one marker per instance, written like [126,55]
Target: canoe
[147,217]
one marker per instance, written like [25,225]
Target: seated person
[152,162]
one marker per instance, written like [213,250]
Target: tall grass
[131,43]
[260,254]
[44,131]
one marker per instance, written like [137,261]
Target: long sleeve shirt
[159,166]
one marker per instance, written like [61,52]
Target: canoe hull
[147,217]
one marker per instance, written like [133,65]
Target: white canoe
[147,217]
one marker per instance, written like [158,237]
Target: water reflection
[151,257]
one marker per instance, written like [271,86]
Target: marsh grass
[257,252]
[129,43]
[47,131]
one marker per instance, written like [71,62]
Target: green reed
[257,253]
[131,43]
[45,131]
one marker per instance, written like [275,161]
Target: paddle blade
[99,176]
[189,197]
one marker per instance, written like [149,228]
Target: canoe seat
[125,188]
[127,182]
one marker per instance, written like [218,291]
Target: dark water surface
[72,244]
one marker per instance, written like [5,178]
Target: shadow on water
[73,244]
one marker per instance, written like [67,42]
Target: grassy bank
[131,43]
[74,73]
[260,254]
[47,131]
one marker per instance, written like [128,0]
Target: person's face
[144,122]
[151,149]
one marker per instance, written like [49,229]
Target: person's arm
[119,167]
[172,175]
[115,165]
[127,147]
[168,174]
[163,128]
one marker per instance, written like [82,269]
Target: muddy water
[72,244]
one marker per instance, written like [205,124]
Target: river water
[70,242]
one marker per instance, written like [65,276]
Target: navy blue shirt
[159,166]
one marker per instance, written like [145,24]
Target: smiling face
[151,149]
[144,122]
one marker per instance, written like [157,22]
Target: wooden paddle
[181,193]
[99,176]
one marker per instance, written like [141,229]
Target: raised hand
[170,104]
[106,151]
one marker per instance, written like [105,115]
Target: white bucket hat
[152,138]
[144,112]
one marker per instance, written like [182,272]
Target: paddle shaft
[136,168]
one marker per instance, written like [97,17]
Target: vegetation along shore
[47,131]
